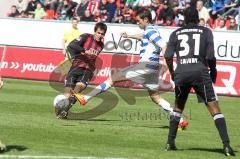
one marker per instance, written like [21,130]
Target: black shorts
[205,92]
[78,74]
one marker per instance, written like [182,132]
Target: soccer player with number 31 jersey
[194,50]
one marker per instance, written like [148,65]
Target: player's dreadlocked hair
[145,14]
[191,15]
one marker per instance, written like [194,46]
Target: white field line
[53,157]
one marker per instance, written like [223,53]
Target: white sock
[99,89]
[181,119]
[165,105]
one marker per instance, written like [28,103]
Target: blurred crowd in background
[216,14]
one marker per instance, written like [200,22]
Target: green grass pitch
[129,129]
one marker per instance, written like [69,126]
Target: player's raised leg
[77,89]
[76,81]
[166,106]
[116,77]
[156,98]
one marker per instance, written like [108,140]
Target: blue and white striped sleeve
[154,36]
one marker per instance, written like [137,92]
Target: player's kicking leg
[76,81]
[83,99]
[133,73]
[166,106]
[68,91]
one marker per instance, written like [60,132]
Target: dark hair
[191,15]
[101,26]
[145,14]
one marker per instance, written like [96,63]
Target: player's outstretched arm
[75,47]
[134,36]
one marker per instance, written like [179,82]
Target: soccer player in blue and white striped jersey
[147,71]
[151,46]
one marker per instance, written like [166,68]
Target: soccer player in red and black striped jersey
[194,48]
[83,51]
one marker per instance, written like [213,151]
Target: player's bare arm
[134,36]
[168,62]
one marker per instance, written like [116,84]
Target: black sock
[72,100]
[173,126]
[222,128]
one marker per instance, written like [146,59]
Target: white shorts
[149,78]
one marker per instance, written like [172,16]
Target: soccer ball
[61,102]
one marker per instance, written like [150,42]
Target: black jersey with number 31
[193,46]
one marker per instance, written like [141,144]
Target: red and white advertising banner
[226,43]
[39,64]
[228,78]
[18,62]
